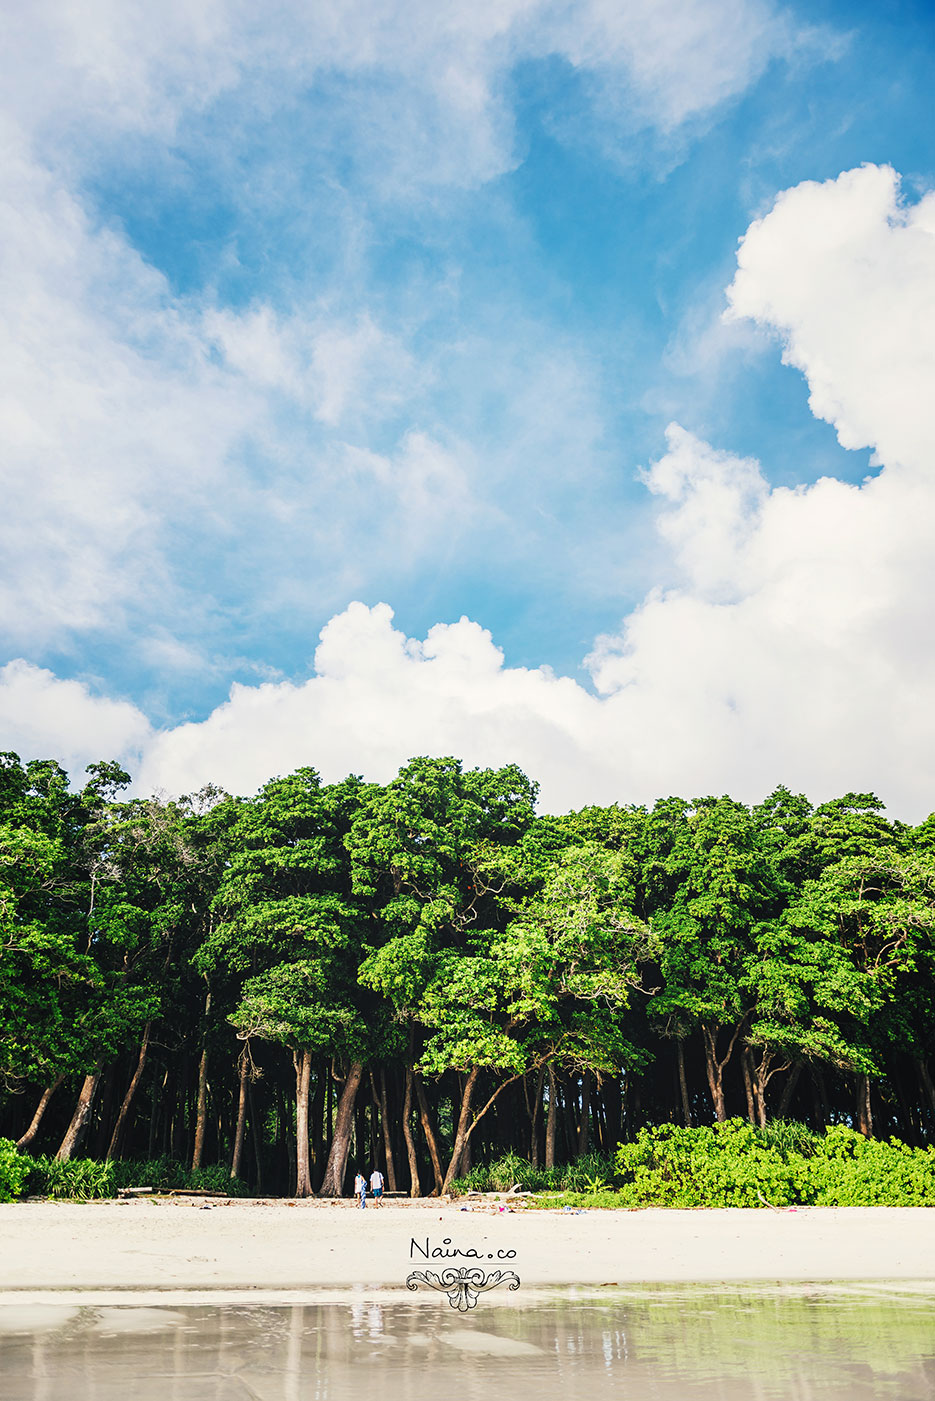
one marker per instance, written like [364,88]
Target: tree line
[427,973]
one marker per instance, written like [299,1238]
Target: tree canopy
[428,971]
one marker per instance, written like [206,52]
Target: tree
[288,924]
[708,886]
[419,850]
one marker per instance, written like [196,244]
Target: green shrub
[735,1164]
[594,1170]
[851,1170]
[509,1170]
[14,1171]
[79,1180]
[590,1173]
[83,1179]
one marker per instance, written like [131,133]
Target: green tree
[708,886]
[290,928]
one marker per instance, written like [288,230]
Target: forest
[426,974]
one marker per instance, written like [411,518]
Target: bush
[80,1180]
[83,1179]
[587,1174]
[734,1164]
[851,1170]
[166,1173]
[14,1170]
[728,1165]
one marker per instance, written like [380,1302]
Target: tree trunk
[634,1105]
[599,1115]
[715,1075]
[201,1114]
[864,1112]
[29,1137]
[463,1129]
[128,1097]
[302,1061]
[255,1135]
[613,1101]
[715,1067]
[415,1186]
[584,1127]
[683,1082]
[316,1116]
[788,1089]
[387,1133]
[535,1117]
[79,1120]
[241,1116]
[104,1104]
[429,1132]
[333,1183]
[153,1120]
[285,1142]
[551,1125]
[746,1063]
[464,1165]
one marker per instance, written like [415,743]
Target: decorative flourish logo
[462,1285]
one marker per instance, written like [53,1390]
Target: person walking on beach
[360,1189]
[376,1185]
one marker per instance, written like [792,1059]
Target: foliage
[83,1179]
[736,1164]
[511,1170]
[14,1171]
[521,981]
[730,1164]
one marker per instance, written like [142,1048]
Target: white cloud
[682,57]
[378,697]
[794,640]
[845,273]
[134,420]
[125,66]
[46,718]
[131,419]
[795,644]
[339,370]
[112,416]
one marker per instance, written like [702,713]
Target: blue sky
[370,303]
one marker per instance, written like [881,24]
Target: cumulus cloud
[792,638]
[844,272]
[44,717]
[378,697]
[794,641]
[142,428]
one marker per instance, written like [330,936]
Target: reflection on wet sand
[788,1344]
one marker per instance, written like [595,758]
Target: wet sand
[671,1343]
[186,1245]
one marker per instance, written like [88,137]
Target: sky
[535,382]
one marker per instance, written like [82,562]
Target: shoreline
[255,1247]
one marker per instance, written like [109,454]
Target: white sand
[181,1245]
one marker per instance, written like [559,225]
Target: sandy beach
[184,1244]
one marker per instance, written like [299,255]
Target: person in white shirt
[376,1185]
